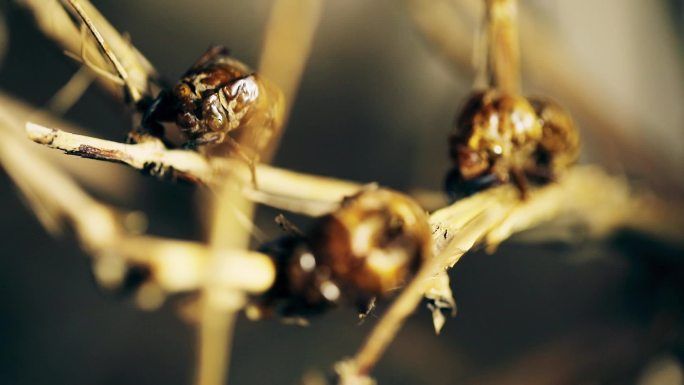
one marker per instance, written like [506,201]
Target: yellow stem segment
[503,47]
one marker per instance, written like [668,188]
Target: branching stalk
[176,265]
[52,18]
[291,191]
[494,215]
[133,92]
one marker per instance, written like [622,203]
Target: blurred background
[375,103]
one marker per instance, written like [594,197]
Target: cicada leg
[520,181]
[251,161]
[208,138]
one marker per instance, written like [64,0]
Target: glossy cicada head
[217,103]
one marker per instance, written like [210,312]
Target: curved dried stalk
[133,92]
[52,18]
[287,190]
[13,117]
[289,37]
[503,52]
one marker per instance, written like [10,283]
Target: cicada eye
[212,113]
[246,89]
[183,91]
[185,97]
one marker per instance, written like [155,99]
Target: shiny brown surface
[217,97]
[367,248]
[511,137]
[374,242]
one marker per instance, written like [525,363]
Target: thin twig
[316,195]
[287,43]
[383,333]
[71,92]
[133,93]
[52,18]
[503,52]
[307,194]
[219,306]
[13,117]
[176,265]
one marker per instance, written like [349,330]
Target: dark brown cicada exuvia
[501,138]
[369,247]
[218,107]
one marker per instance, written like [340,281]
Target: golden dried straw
[493,216]
[101,230]
[52,18]
[487,218]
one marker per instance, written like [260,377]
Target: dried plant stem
[219,306]
[71,92]
[316,195]
[307,194]
[176,265]
[52,18]
[503,52]
[215,339]
[133,92]
[289,36]
[150,154]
